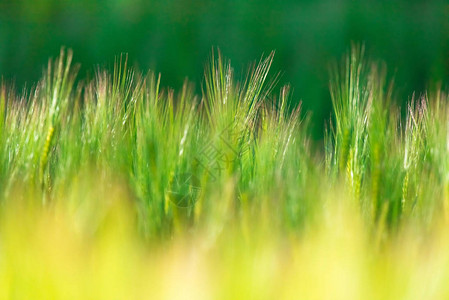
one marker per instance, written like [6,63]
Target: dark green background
[176,38]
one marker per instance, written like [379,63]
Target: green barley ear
[351,103]
[404,190]
[2,127]
[2,108]
[59,84]
[45,152]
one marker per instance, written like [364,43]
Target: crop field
[115,187]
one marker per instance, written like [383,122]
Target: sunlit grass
[117,188]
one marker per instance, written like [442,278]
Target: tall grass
[386,161]
[113,171]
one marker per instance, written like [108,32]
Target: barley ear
[45,152]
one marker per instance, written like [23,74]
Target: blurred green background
[176,38]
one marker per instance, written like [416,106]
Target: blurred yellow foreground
[86,246]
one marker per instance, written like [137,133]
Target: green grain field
[115,187]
